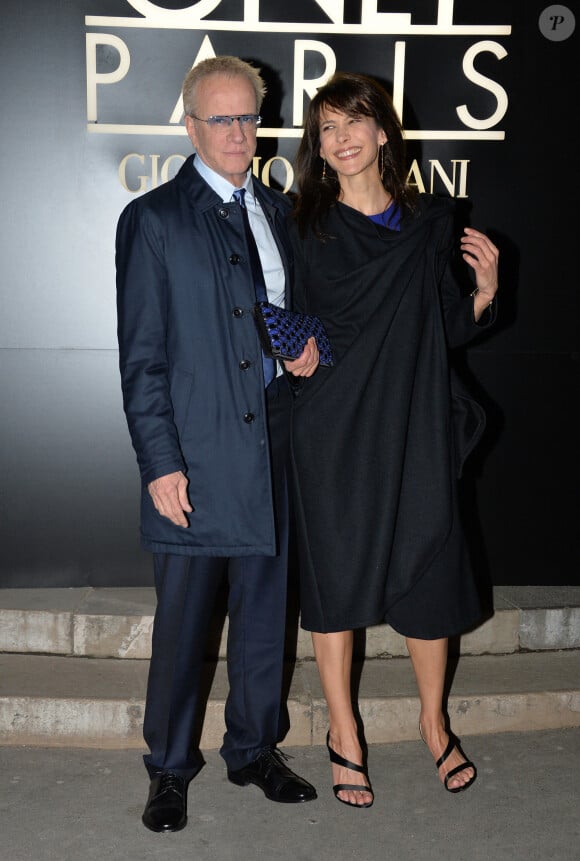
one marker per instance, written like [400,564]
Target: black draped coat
[379,439]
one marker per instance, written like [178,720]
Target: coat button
[249,418]
[244,365]
[238,312]
[223,213]
[234,259]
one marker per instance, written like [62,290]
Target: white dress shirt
[267,248]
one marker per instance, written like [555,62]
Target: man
[211,439]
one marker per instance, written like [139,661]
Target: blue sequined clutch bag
[283,334]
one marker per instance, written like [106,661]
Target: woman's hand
[481,254]
[305,364]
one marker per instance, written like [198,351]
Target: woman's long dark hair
[354,95]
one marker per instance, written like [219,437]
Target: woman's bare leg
[429,659]
[334,659]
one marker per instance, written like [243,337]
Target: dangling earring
[323,170]
[382,162]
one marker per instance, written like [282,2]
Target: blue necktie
[269,365]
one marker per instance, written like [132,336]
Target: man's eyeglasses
[248,122]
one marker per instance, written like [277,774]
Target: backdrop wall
[91,116]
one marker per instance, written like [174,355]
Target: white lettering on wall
[487,84]
[93,77]
[309,86]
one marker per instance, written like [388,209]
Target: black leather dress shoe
[272,775]
[166,808]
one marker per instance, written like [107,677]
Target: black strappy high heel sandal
[453,743]
[337,759]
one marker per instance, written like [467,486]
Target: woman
[380,438]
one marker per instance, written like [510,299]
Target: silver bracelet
[475,292]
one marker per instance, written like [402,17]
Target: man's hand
[305,364]
[169,495]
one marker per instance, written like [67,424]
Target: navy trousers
[187,588]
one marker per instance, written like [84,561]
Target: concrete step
[117,623]
[55,701]
[74,662]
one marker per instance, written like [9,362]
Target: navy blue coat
[190,363]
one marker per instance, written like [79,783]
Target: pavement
[73,669]
[71,804]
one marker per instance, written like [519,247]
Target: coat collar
[203,197]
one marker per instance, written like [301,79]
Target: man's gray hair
[232,67]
